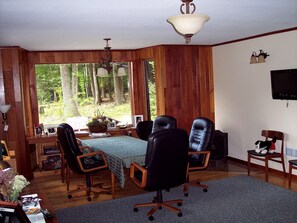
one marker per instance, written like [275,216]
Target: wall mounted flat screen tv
[284,84]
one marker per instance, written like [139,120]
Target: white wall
[243,101]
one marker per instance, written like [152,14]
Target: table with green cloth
[120,152]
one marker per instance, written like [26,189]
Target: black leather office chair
[165,167]
[144,129]
[200,140]
[86,164]
[163,122]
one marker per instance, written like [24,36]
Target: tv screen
[284,84]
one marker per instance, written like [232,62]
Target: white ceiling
[133,24]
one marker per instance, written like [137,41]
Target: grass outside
[53,114]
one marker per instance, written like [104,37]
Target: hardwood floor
[55,190]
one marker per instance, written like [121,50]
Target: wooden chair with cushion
[165,167]
[277,156]
[292,165]
[200,140]
[83,163]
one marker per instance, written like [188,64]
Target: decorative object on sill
[11,184]
[39,129]
[258,58]
[99,123]
[187,24]
[106,58]
[4,109]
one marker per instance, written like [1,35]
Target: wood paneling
[184,85]
[184,82]
[13,63]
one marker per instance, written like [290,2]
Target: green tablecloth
[120,152]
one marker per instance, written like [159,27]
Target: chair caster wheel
[69,196]
[180,214]
[205,190]
[89,198]
[135,209]
[151,218]
[186,194]
[179,204]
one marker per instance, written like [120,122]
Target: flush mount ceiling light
[188,24]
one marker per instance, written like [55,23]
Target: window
[150,89]
[76,92]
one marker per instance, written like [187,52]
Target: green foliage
[50,96]
[153,100]
[48,82]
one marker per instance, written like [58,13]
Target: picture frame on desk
[112,125]
[137,119]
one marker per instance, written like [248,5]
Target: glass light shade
[121,72]
[102,72]
[261,58]
[4,108]
[186,24]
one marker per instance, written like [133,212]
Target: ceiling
[38,25]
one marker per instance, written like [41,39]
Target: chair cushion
[194,162]
[294,162]
[92,162]
[254,153]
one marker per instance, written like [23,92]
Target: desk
[120,152]
[36,144]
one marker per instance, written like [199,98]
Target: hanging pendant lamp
[188,24]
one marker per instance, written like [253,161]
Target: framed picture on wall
[137,118]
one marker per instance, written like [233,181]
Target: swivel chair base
[158,203]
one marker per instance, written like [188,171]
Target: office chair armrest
[135,167]
[206,160]
[99,153]
[81,147]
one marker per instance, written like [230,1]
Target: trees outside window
[75,90]
[150,89]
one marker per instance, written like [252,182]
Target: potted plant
[99,123]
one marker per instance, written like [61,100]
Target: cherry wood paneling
[184,82]
[13,63]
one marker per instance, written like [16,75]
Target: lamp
[253,58]
[4,109]
[107,57]
[262,56]
[102,72]
[258,58]
[188,24]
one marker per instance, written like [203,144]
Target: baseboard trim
[254,165]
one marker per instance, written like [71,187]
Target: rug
[239,199]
